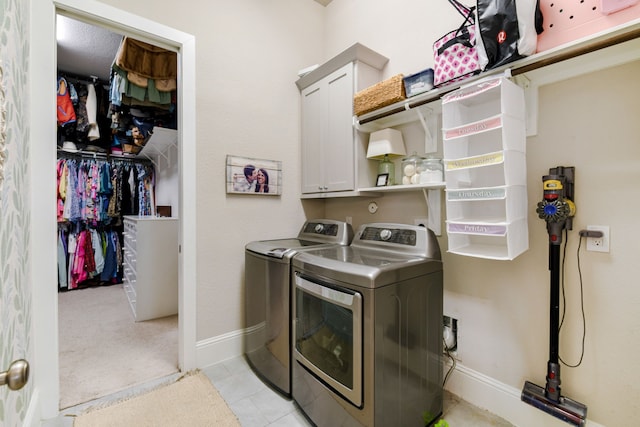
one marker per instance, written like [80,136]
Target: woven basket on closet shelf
[379,95]
[131,149]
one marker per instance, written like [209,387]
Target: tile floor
[257,405]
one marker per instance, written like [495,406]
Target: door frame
[43,269]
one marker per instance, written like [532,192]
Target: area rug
[190,401]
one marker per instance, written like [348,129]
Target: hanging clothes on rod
[93,195]
[88,257]
[101,191]
[83,111]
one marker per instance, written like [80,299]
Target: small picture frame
[247,175]
[382,180]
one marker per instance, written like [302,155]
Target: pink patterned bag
[455,55]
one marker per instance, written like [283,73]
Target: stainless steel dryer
[367,329]
[267,343]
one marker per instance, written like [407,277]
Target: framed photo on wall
[247,175]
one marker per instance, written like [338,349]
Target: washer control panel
[324,229]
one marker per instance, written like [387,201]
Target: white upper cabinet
[327,134]
[331,146]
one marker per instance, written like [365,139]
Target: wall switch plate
[598,244]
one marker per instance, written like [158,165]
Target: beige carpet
[102,349]
[190,401]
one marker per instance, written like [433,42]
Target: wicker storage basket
[131,149]
[379,95]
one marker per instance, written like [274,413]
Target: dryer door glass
[328,335]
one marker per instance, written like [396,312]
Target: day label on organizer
[476,161]
[477,194]
[474,128]
[486,229]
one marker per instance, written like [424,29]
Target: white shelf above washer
[605,49]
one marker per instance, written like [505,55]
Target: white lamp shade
[385,142]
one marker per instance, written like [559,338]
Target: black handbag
[501,38]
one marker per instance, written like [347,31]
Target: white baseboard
[217,349]
[500,399]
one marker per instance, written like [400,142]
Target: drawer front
[130,256]
[130,291]
[129,276]
[130,235]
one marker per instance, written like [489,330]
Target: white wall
[248,53]
[402,30]
[590,123]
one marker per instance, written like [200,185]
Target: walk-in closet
[117,211]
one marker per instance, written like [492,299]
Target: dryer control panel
[403,239]
[396,236]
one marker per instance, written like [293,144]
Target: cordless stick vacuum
[557,209]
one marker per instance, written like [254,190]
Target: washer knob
[385,234]
[319,228]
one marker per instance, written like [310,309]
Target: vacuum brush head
[570,411]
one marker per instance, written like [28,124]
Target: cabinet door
[313,118]
[340,145]
[328,134]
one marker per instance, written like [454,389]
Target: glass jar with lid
[432,171]
[412,167]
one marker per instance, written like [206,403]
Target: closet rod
[76,78]
[90,155]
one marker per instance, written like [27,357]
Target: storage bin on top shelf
[485,170]
[566,21]
[379,95]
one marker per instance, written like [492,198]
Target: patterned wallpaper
[15,283]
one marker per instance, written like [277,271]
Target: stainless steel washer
[367,329]
[267,343]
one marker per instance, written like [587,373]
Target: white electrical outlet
[598,244]
[450,335]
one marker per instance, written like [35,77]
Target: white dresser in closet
[150,264]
